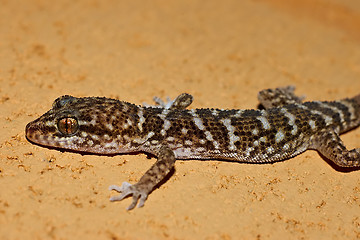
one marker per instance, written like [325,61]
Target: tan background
[222,52]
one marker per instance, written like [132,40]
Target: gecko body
[286,127]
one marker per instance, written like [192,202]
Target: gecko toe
[127,189]
[122,188]
[136,197]
[142,200]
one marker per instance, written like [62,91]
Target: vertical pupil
[68,125]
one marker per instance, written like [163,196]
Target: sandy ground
[221,53]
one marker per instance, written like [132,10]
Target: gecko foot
[180,102]
[127,189]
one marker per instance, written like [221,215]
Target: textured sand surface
[221,52]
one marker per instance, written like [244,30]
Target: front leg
[147,183]
[180,102]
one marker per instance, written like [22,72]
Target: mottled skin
[169,131]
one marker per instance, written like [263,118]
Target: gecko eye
[68,126]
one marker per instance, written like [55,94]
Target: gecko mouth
[32,133]
[41,135]
[48,136]
[38,133]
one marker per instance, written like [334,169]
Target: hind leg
[278,97]
[329,144]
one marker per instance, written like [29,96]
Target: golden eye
[68,126]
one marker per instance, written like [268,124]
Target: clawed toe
[127,189]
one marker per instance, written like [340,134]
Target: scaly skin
[169,131]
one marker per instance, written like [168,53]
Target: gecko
[285,127]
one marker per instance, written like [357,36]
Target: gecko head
[83,125]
